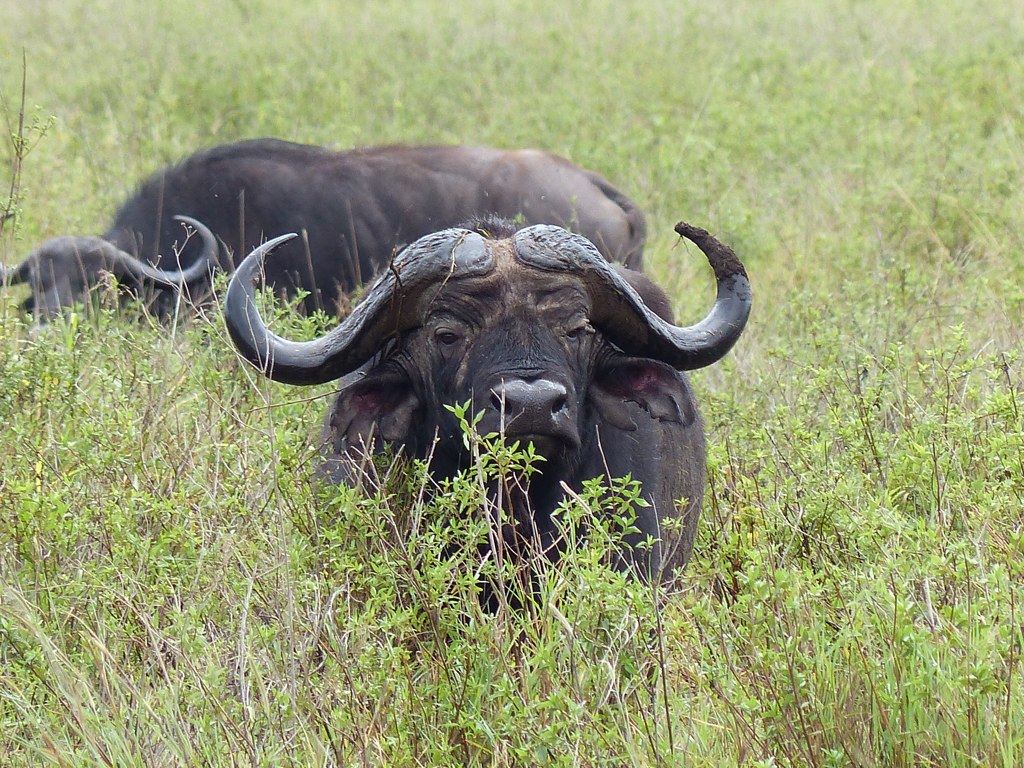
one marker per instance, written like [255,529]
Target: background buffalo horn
[122,263]
[388,308]
[620,313]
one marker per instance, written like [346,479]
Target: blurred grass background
[173,592]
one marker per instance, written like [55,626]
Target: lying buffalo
[353,209]
[553,344]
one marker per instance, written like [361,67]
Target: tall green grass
[176,590]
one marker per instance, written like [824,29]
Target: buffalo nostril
[559,404]
[498,398]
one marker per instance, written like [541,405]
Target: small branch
[17,144]
[23,140]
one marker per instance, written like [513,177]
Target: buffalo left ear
[660,390]
[378,404]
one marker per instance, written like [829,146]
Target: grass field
[175,591]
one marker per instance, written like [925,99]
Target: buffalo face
[520,347]
[545,339]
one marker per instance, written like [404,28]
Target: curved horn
[392,305]
[124,263]
[620,312]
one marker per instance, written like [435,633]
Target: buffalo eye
[446,337]
[578,330]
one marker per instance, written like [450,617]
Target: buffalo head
[64,268]
[554,345]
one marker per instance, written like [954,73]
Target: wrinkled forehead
[534,267]
[529,270]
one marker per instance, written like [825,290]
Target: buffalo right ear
[377,404]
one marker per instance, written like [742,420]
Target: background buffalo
[353,210]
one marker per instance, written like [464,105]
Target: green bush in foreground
[177,591]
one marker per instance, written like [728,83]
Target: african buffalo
[553,344]
[63,269]
[354,209]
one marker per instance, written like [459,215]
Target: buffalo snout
[532,408]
